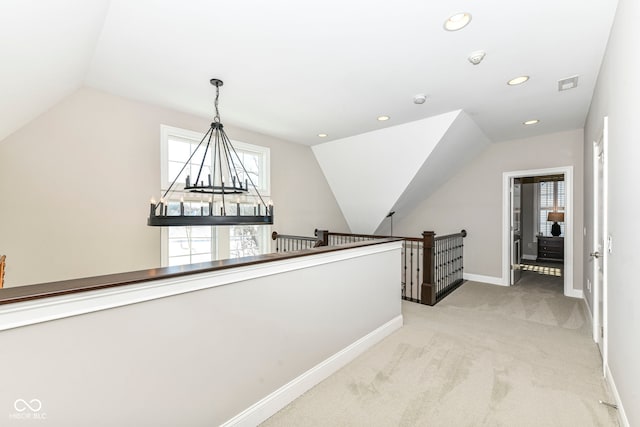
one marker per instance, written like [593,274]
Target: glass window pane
[177,232]
[179,151]
[182,260]
[201,258]
[201,232]
[200,245]
[178,247]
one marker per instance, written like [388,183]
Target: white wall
[472,199]
[200,358]
[76,184]
[617,95]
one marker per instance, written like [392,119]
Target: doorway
[513,244]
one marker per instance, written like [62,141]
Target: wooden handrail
[462,233]
[275,235]
[52,289]
[373,236]
[3,262]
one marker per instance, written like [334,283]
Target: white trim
[590,315]
[575,293]
[286,394]
[484,279]
[605,251]
[622,415]
[43,310]
[569,221]
[600,319]
[530,257]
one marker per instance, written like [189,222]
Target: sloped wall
[394,168]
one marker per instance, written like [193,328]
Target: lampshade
[555,216]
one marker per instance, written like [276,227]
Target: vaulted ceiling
[296,69]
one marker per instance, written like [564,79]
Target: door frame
[514,274]
[568,224]
[600,319]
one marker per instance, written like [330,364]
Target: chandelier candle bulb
[187,182]
[152,212]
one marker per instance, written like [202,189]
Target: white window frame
[264,186]
[219,234]
[555,207]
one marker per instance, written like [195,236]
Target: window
[551,198]
[188,245]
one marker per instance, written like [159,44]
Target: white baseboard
[575,293]
[622,415]
[589,313]
[530,257]
[484,279]
[286,394]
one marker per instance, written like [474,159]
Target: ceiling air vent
[568,83]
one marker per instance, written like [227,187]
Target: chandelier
[220,180]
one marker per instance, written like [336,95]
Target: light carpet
[485,356]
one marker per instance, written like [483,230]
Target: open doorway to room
[537,243]
[542,230]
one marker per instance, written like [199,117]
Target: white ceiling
[295,69]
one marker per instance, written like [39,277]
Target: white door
[599,250]
[516,232]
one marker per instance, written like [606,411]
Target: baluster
[404,263]
[411,266]
[418,290]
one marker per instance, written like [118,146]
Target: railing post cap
[464,233]
[274,235]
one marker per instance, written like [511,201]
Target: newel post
[323,237]
[428,287]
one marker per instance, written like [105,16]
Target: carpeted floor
[485,356]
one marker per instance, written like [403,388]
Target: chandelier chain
[216,119]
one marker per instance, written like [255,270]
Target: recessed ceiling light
[457,22]
[531,122]
[383,118]
[518,80]
[322,135]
